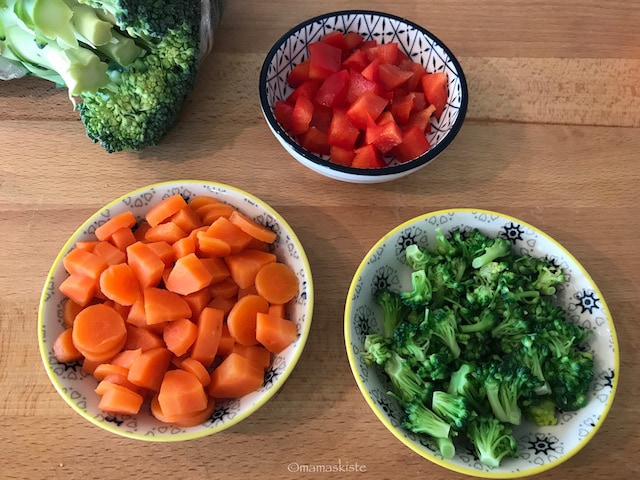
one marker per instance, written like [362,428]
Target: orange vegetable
[209,331]
[181,393]
[136,315]
[147,266]
[180,335]
[165,209]
[69,311]
[277,283]
[88,366]
[168,232]
[164,251]
[275,333]
[120,284]
[184,246]
[161,305]
[87,245]
[125,219]
[244,266]
[188,275]
[257,354]
[84,263]
[142,338]
[234,377]
[211,212]
[122,238]
[225,347]
[217,268]
[197,301]
[241,320]
[186,219]
[193,366]
[118,399]
[222,303]
[277,309]
[126,357]
[99,332]
[210,246]
[253,228]
[183,421]
[104,369]
[223,229]
[149,368]
[226,288]
[110,253]
[63,348]
[200,200]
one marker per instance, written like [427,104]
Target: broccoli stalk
[376,349]
[421,419]
[393,310]
[454,409]
[500,247]
[492,440]
[443,324]
[420,293]
[407,384]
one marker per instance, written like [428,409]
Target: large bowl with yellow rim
[77,388]
[539,448]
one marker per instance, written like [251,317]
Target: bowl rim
[397,431]
[420,161]
[263,399]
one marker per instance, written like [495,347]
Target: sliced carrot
[142,338]
[244,266]
[197,301]
[277,282]
[167,231]
[99,332]
[222,303]
[104,369]
[118,379]
[186,219]
[88,366]
[225,347]
[208,246]
[180,335]
[69,311]
[63,348]
[275,333]
[149,368]
[256,244]
[125,219]
[223,229]
[147,266]
[122,238]
[253,228]
[241,320]
[181,393]
[123,310]
[234,377]
[195,367]
[120,284]
[226,288]
[84,263]
[126,357]
[217,268]
[206,344]
[161,305]
[250,290]
[211,212]
[165,209]
[164,251]
[277,309]
[119,399]
[136,314]
[141,230]
[183,421]
[184,246]
[257,354]
[87,245]
[200,200]
[110,253]
[188,275]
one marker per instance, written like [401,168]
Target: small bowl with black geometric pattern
[539,448]
[77,387]
[414,41]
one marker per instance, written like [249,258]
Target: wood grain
[552,136]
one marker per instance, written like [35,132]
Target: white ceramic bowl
[539,448]
[417,42]
[77,388]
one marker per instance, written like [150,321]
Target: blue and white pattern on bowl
[539,448]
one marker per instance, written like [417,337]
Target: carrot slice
[149,368]
[217,268]
[206,344]
[225,347]
[63,348]
[210,246]
[211,212]
[186,219]
[277,309]
[168,232]
[222,303]
[241,320]
[110,253]
[126,357]
[277,282]
[147,266]
[87,245]
[84,263]
[181,393]
[164,251]
[197,301]
[125,219]
[142,338]
[104,369]
[180,335]
[119,399]
[183,421]
[165,209]
[122,238]
[226,288]
[250,290]
[257,354]
[136,315]
[195,367]
[69,311]
[99,332]
[234,377]
[200,200]
[141,230]
[275,333]
[244,266]
[188,275]
[116,378]
[184,246]
[252,227]
[120,284]
[224,230]
[161,305]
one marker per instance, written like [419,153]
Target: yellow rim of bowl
[304,333]
[396,430]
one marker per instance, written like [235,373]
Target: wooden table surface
[552,136]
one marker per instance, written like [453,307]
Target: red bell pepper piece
[324,59]
[368,105]
[434,86]
[333,91]
[414,144]
[368,157]
[341,132]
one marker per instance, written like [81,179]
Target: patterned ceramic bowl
[539,448]
[77,388]
[418,43]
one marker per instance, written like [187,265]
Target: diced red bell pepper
[342,156]
[324,59]
[315,141]
[299,74]
[419,101]
[384,53]
[421,119]
[372,71]
[321,118]
[391,76]
[402,107]
[384,137]
[335,39]
[368,105]
[357,61]
[352,40]
[301,115]
[434,86]
[341,132]
[385,117]
[417,71]
[368,156]
[307,89]
[333,91]
[283,113]
[358,85]
[414,144]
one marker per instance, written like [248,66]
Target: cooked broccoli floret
[420,258]
[465,383]
[569,378]
[452,408]
[420,293]
[436,366]
[393,310]
[499,247]
[128,64]
[540,410]
[533,353]
[443,324]
[484,322]
[548,277]
[376,349]
[407,385]
[492,440]
[412,340]
[421,419]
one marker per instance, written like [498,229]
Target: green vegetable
[478,343]
[127,64]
